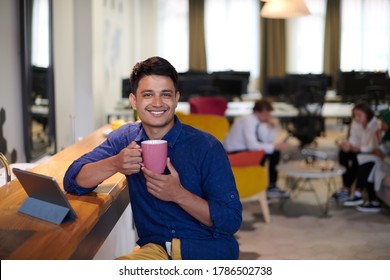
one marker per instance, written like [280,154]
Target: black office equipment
[126,88]
[352,86]
[227,84]
[232,83]
[194,84]
[285,88]
[274,89]
[309,100]
[45,199]
[231,87]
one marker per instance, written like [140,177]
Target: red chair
[211,105]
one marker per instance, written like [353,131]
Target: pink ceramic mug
[154,155]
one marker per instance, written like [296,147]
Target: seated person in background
[257,131]
[192,210]
[362,140]
[383,135]
[380,168]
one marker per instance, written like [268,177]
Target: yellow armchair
[251,178]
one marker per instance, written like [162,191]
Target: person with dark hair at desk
[193,209]
[257,131]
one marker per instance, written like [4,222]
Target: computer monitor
[230,87]
[231,84]
[274,88]
[195,84]
[126,88]
[352,86]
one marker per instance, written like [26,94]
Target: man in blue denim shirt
[192,210]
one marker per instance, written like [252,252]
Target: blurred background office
[91,46]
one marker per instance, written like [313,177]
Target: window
[305,40]
[40,34]
[365,40]
[231,31]
[173,34]
[232,35]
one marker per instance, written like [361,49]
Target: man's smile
[156,112]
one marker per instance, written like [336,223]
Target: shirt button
[173,231]
[232,196]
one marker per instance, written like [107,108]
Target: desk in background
[281,109]
[235,109]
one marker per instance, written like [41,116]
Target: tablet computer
[45,199]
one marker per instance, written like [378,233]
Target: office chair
[212,105]
[309,123]
[377,96]
[306,128]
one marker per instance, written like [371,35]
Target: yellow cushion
[213,124]
[250,180]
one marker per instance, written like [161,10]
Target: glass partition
[37,78]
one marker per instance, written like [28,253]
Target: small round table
[300,173]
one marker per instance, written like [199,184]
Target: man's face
[155,102]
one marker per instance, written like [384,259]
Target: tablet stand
[46,211]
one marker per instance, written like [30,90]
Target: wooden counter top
[26,237]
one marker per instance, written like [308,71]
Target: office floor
[298,231]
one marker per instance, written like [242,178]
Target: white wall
[64,65]
[96,44]
[79,86]
[84,95]
[143,29]
[124,33]
[111,50]
[10,78]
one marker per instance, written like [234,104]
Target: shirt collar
[170,137]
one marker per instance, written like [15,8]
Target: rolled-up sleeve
[108,148]
[70,184]
[226,214]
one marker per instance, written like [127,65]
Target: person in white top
[362,139]
[257,131]
[379,161]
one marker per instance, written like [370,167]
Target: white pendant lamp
[281,9]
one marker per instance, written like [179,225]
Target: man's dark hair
[365,107]
[262,105]
[153,66]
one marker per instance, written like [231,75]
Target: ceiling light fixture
[281,9]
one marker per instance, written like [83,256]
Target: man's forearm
[94,173]
[197,207]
